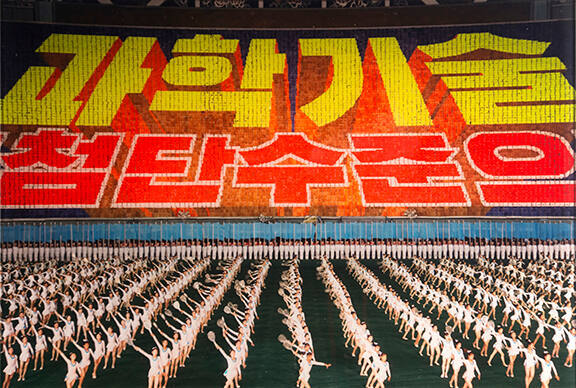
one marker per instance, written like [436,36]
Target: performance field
[394,313]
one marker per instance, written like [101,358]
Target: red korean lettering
[315,165]
[44,148]
[158,169]
[215,156]
[407,170]
[529,165]
[53,168]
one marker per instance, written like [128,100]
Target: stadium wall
[307,18]
[172,230]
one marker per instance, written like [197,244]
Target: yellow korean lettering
[406,102]
[509,91]
[124,75]
[196,70]
[208,44]
[59,105]
[346,85]
[252,108]
[466,43]
[262,63]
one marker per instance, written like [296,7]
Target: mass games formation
[454,301]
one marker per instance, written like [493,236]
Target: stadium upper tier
[278,3]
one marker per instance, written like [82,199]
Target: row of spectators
[266,3]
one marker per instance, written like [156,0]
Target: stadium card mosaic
[130,122]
